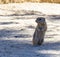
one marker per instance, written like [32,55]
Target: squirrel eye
[39,19]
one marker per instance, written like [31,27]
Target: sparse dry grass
[21,1]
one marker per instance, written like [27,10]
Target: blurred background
[21,1]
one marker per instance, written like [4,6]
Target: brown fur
[40,30]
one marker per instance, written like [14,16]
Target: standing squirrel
[40,30]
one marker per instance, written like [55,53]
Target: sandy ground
[16,33]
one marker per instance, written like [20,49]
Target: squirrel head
[40,20]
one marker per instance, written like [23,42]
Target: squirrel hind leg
[40,42]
